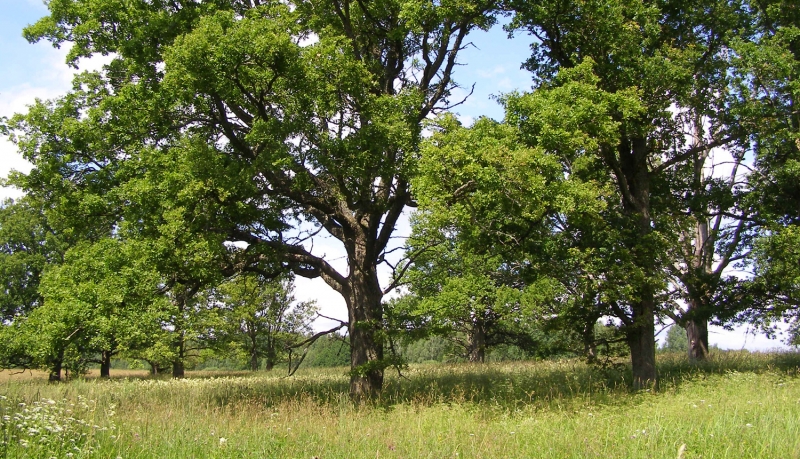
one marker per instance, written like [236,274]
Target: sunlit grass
[737,405]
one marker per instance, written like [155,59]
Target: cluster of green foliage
[328,351]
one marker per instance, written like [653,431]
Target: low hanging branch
[308,342]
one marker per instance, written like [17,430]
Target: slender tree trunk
[589,342]
[178,365]
[105,364]
[253,352]
[363,296]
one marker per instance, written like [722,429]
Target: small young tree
[676,340]
[263,316]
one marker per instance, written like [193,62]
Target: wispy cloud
[497,70]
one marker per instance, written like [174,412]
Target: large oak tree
[293,120]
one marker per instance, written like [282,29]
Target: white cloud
[50,78]
[506,85]
[743,338]
[465,120]
[497,70]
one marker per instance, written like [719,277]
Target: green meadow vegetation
[735,405]
[515,271]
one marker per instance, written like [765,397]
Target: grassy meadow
[738,405]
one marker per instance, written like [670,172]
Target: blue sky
[492,64]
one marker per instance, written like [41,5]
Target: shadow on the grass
[505,386]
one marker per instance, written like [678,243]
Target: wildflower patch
[52,429]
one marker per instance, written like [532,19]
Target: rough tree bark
[56,367]
[271,357]
[641,339]
[633,179]
[476,344]
[252,335]
[254,362]
[363,296]
[178,365]
[697,334]
[105,364]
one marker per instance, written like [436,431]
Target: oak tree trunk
[697,334]
[178,370]
[477,344]
[634,181]
[55,371]
[178,365]
[363,296]
[180,300]
[253,349]
[589,342]
[271,354]
[105,364]
[642,342]
[254,362]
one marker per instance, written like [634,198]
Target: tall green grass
[736,405]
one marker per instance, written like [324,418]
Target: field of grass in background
[737,405]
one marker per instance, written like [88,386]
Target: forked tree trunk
[701,266]
[363,296]
[105,364]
